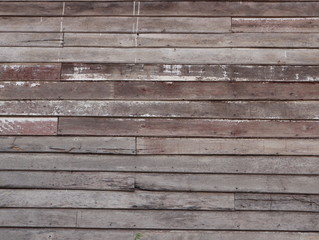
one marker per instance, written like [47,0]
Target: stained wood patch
[161,163]
[28,126]
[30,71]
[66,180]
[227,146]
[107,145]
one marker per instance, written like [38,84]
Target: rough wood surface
[30,24]
[31,39]
[115,199]
[28,126]
[106,145]
[66,180]
[31,9]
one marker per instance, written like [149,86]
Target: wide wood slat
[31,39]
[115,200]
[66,180]
[276,202]
[292,110]
[161,163]
[28,126]
[30,24]
[171,72]
[106,145]
[31,9]
[186,127]
[196,146]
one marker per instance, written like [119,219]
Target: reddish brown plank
[30,71]
[186,127]
[28,126]
[31,8]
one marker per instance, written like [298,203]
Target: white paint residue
[1,86]
[24,119]
[297,76]
[173,69]
[20,83]
[35,84]
[78,70]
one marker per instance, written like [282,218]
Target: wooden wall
[176,120]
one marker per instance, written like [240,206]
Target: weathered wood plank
[290,110]
[31,39]
[31,9]
[141,90]
[67,180]
[107,145]
[164,55]
[276,202]
[113,200]
[275,25]
[31,71]
[186,127]
[228,183]
[169,72]
[28,126]
[195,146]
[80,234]
[161,163]
[30,24]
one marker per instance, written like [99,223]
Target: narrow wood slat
[136,90]
[291,110]
[196,146]
[31,9]
[164,55]
[66,180]
[171,72]
[31,39]
[30,24]
[275,25]
[80,234]
[228,183]
[107,145]
[186,127]
[276,202]
[28,126]
[161,163]
[114,200]
[31,71]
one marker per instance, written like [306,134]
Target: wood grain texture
[28,126]
[186,127]
[196,72]
[29,71]
[228,183]
[115,200]
[30,24]
[290,110]
[196,146]
[31,9]
[161,163]
[107,145]
[31,39]
[67,180]
[276,202]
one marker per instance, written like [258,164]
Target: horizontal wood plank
[276,202]
[31,9]
[30,24]
[66,180]
[31,39]
[115,200]
[107,145]
[161,163]
[196,146]
[28,126]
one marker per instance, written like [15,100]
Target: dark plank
[28,126]
[115,199]
[186,127]
[276,202]
[291,110]
[228,183]
[161,163]
[31,9]
[107,145]
[67,180]
[31,71]
[275,25]
[169,72]
[196,146]
[31,39]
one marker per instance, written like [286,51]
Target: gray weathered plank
[31,9]
[107,145]
[161,163]
[196,146]
[115,199]
[293,110]
[228,183]
[31,39]
[276,202]
[67,180]
[186,127]
[169,72]
[30,24]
